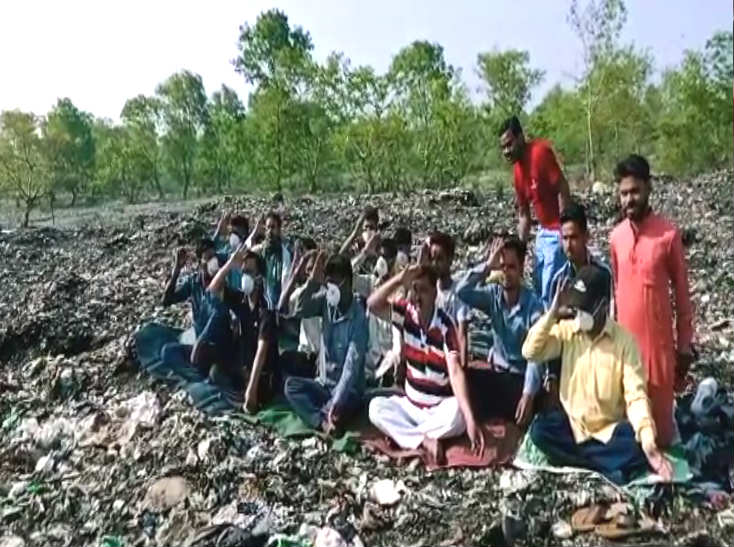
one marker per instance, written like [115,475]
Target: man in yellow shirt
[604,421]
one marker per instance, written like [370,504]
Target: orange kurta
[647,258]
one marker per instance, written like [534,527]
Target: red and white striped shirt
[425,352]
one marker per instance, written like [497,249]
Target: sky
[99,53]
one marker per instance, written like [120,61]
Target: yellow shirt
[601,379]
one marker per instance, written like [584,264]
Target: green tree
[222,147]
[277,60]
[598,27]
[142,117]
[122,169]
[695,127]
[184,119]
[560,114]
[509,81]
[422,79]
[69,145]
[24,174]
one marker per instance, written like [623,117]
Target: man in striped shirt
[436,403]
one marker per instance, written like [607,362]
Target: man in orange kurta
[647,257]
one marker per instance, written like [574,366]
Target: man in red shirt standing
[648,261]
[540,181]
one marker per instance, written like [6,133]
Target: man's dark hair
[339,266]
[275,217]
[403,236]
[308,243]
[517,246]
[371,213]
[429,272]
[443,240]
[633,165]
[391,250]
[574,212]
[511,124]
[204,244]
[241,223]
[259,262]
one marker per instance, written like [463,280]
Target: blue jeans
[618,460]
[175,365]
[549,258]
[311,401]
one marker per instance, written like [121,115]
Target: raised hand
[494,252]
[179,257]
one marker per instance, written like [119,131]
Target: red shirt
[537,175]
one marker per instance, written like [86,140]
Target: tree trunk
[27,214]
[74,196]
[590,161]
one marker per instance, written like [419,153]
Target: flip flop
[586,519]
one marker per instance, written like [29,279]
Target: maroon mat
[502,441]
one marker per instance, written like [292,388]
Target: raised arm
[219,282]
[222,225]
[256,231]
[370,249]
[379,301]
[296,272]
[310,301]
[545,338]
[172,293]
[353,235]
[468,290]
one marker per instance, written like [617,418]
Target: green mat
[529,457]
[279,417]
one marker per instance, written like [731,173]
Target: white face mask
[402,259]
[333,295]
[584,321]
[212,266]
[381,267]
[234,241]
[248,284]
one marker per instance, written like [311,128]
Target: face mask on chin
[333,295]
[584,321]
[234,241]
[381,268]
[402,259]
[248,284]
[212,266]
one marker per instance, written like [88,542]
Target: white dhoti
[408,425]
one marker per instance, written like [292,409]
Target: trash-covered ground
[93,453]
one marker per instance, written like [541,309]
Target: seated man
[231,232]
[436,403]
[604,415]
[302,361]
[276,253]
[513,308]
[175,363]
[330,400]
[362,242]
[245,368]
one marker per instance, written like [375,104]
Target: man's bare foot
[434,447]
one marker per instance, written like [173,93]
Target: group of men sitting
[285,318]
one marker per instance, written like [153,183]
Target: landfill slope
[84,436]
